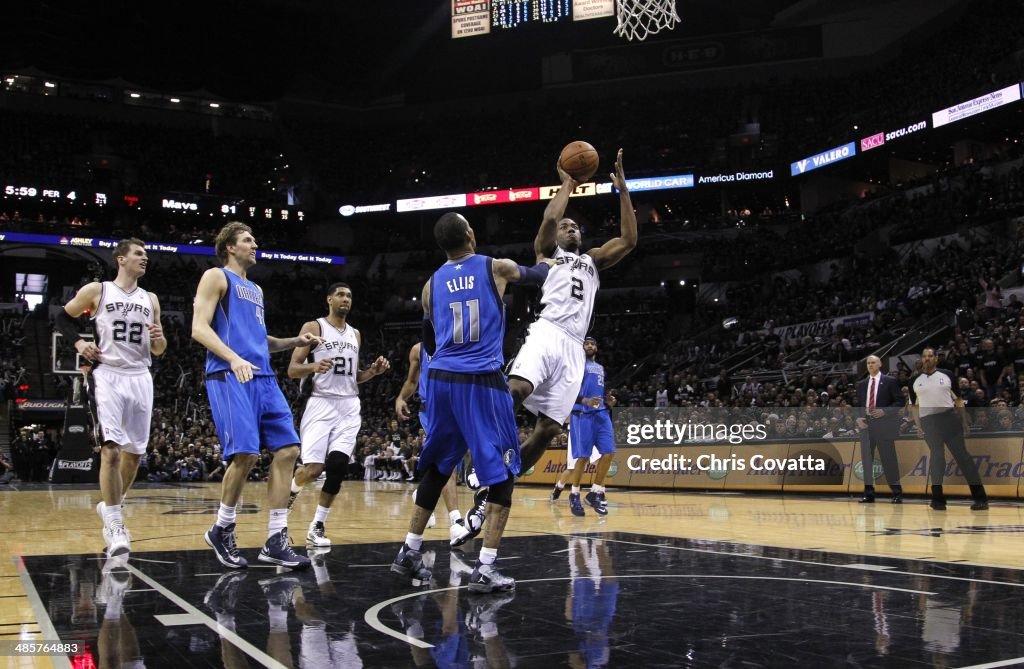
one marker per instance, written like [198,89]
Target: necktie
[871,396]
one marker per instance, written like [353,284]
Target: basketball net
[639,18]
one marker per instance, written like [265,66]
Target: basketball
[579,159]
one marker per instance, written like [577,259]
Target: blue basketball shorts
[474,412]
[248,415]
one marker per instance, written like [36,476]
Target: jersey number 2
[458,336]
[577,289]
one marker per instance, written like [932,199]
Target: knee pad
[429,490]
[501,493]
[336,468]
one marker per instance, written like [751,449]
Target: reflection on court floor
[615,599]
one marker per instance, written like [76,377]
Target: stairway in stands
[36,357]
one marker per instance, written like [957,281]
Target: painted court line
[371,617]
[45,624]
[995,665]
[223,632]
[808,562]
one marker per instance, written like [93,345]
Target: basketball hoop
[639,18]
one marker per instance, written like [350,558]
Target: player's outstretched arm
[544,243]
[278,344]
[379,366]
[297,366]
[615,249]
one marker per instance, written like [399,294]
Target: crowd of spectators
[657,354]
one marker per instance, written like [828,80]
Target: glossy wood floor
[62,521]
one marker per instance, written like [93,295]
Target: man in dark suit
[882,399]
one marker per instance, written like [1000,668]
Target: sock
[296,488]
[278,618]
[278,521]
[225,515]
[112,515]
[559,485]
[489,630]
[575,490]
[320,573]
[226,620]
[414,541]
[454,516]
[597,488]
[487,555]
[113,611]
[321,514]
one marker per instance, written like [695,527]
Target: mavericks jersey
[468,317]
[567,296]
[593,386]
[121,333]
[341,346]
[238,321]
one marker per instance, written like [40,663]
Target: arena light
[175,100]
[135,96]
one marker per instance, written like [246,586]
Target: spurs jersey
[121,333]
[341,346]
[567,299]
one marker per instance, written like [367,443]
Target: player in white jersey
[331,419]
[548,370]
[128,332]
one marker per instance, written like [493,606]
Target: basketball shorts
[553,362]
[248,415]
[474,412]
[329,424]
[593,608]
[124,407]
[590,435]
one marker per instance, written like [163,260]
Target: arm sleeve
[428,337]
[67,326]
[533,276]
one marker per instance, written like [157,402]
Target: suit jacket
[889,398]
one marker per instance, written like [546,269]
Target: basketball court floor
[665,580]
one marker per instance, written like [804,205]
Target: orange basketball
[579,159]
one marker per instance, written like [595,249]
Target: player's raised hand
[564,176]
[243,370]
[618,176]
[379,366]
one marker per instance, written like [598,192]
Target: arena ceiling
[265,50]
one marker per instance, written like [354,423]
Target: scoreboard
[481,17]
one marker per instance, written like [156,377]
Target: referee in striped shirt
[942,420]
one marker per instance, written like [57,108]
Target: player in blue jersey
[248,406]
[468,401]
[590,434]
